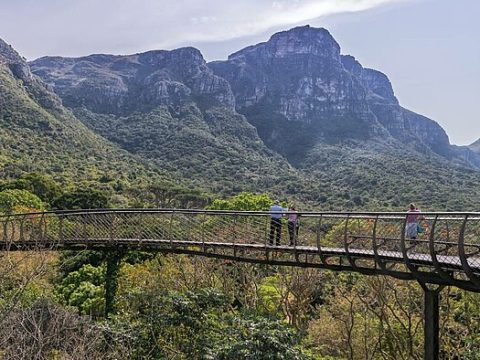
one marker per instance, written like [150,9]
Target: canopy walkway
[446,253]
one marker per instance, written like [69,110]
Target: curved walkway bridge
[447,252]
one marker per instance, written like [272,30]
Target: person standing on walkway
[276,213]
[411,227]
[293,225]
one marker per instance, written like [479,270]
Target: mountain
[298,90]
[169,107]
[38,134]
[290,116]
[475,147]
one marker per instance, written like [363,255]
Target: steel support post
[431,325]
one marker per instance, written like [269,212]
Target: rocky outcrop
[296,72]
[299,81]
[16,64]
[20,70]
[123,84]
[376,83]
[296,91]
[475,147]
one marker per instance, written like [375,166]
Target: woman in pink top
[293,225]
[411,228]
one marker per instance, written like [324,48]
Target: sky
[429,49]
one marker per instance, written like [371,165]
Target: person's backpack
[420,229]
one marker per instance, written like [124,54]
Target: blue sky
[428,48]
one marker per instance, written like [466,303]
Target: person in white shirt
[276,213]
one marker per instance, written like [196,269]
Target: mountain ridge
[311,57]
[168,107]
[40,135]
[293,117]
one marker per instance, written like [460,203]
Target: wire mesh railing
[441,248]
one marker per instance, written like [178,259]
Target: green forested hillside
[370,178]
[52,141]
[216,148]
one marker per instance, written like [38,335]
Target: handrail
[242,212]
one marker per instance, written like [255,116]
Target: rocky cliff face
[16,64]
[298,90]
[375,83]
[122,84]
[416,131]
[475,147]
[20,69]
[297,80]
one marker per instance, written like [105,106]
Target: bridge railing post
[464,257]
[235,220]
[170,228]
[318,236]
[112,228]
[61,235]
[21,236]
[204,221]
[85,233]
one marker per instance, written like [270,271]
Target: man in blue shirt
[276,213]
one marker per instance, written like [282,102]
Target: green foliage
[84,289]
[82,198]
[260,339]
[166,194]
[269,295]
[23,200]
[244,202]
[70,261]
[461,330]
[174,323]
[198,325]
[213,146]
[41,185]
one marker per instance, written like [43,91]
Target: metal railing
[446,250]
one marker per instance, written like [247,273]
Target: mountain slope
[299,80]
[475,147]
[169,107]
[345,140]
[39,134]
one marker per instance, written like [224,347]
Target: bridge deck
[447,262]
[447,252]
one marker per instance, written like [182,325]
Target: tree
[84,289]
[244,201]
[82,198]
[259,339]
[41,185]
[14,200]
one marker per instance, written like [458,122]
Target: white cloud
[246,18]
[123,26]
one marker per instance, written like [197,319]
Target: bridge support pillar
[431,323]
[113,259]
